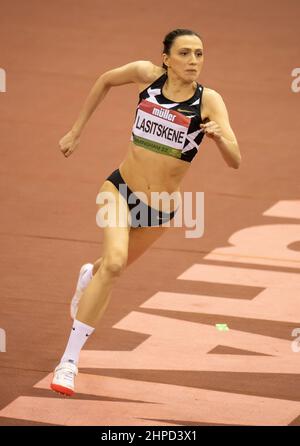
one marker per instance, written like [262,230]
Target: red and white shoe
[79,290]
[64,378]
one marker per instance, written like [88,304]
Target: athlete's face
[186,54]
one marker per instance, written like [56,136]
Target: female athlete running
[173,115]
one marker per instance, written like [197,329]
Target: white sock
[86,277]
[79,335]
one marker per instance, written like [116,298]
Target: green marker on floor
[222,327]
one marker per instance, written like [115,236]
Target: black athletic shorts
[146,216]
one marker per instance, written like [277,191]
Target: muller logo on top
[163,113]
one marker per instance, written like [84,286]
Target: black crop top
[168,127]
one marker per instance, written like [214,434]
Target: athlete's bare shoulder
[149,72]
[138,72]
[208,98]
[209,93]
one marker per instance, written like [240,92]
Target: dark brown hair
[171,36]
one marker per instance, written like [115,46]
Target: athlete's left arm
[218,128]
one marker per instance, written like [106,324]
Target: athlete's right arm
[133,72]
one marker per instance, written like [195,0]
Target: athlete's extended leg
[122,245]
[92,304]
[95,297]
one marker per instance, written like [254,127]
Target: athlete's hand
[212,130]
[68,143]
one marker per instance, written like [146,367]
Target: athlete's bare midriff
[146,171]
